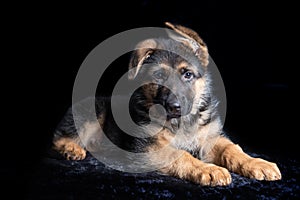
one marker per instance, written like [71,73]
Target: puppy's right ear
[142,51]
[191,39]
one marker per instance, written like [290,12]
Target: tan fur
[69,148]
[221,155]
[214,154]
[189,168]
[144,49]
[184,165]
[74,148]
[231,156]
[199,86]
[193,40]
[91,135]
[151,91]
[185,65]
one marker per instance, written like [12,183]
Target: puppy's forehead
[168,60]
[176,55]
[186,65]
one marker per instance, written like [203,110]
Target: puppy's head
[172,70]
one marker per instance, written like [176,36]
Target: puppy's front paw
[69,149]
[261,170]
[73,151]
[212,175]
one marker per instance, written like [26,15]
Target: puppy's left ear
[142,51]
[191,39]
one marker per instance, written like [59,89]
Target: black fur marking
[205,103]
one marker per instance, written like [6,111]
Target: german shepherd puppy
[190,143]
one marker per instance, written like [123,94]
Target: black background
[45,44]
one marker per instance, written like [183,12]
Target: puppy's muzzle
[173,106]
[176,107]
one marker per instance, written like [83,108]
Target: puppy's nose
[174,109]
[175,106]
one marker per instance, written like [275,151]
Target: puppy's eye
[188,75]
[159,75]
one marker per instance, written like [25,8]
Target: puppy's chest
[187,141]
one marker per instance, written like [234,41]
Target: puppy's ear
[142,51]
[191,39]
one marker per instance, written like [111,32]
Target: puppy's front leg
[231,156]
[189,168]
[181,164]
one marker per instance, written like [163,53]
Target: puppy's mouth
[173,112]
[172,116]
[174,108]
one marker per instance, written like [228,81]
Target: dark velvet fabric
[89,179]
[44,46]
